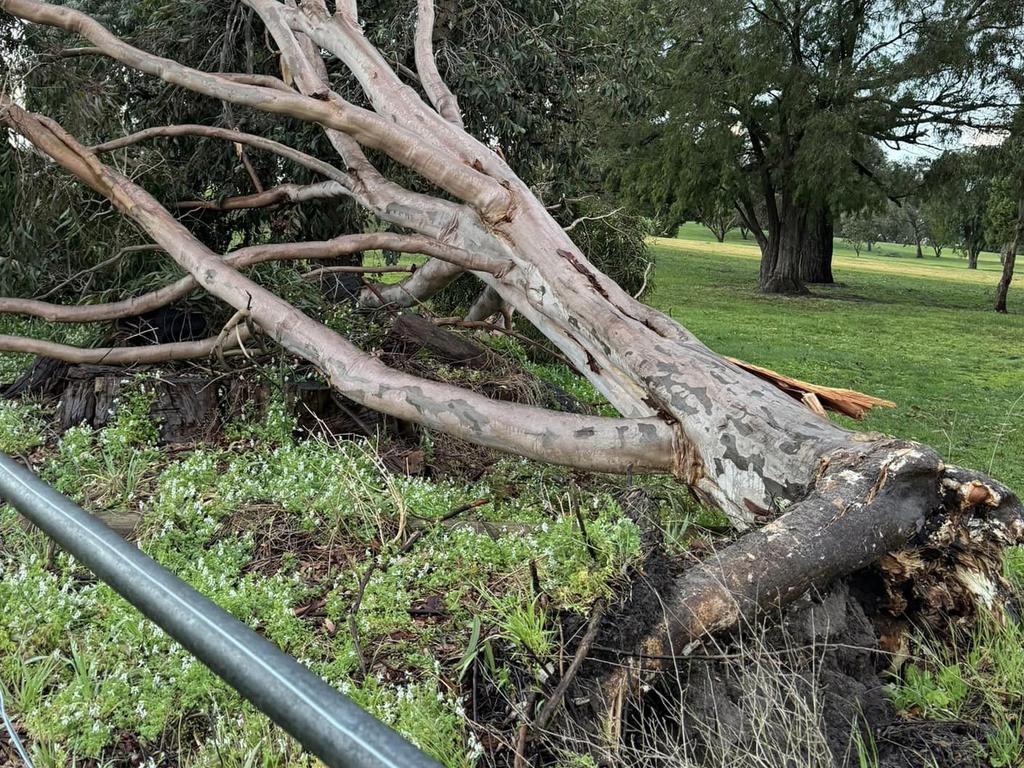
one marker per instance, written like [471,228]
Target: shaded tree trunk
[781,270]
[816,257]
[920,253]
[972,256]
[799,249]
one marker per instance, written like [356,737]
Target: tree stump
[185,409]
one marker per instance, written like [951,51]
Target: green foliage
[779,108]
[983,683]
[940,694]
[959,186]
[108,468]
[82,666]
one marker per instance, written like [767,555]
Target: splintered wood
[818,398]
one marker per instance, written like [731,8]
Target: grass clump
[21,427]
[979,679]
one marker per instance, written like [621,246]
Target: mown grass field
[920,332]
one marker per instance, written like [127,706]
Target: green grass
[920,332]
[264,524]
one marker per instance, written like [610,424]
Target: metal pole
[324,721]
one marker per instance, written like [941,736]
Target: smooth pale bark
[284,193]
[205,131]
[426,67]
[373,130]
[154,353]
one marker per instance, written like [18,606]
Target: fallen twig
[555,700]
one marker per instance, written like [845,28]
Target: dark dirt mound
[800,690]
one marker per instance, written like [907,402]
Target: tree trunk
[782,267]
[1009,261]
[972,256]
[920,253]
[816,258]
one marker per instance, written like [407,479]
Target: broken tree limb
[846,401]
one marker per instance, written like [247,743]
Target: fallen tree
[836,500]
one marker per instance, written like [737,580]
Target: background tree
[859,231]
[718,214]
[959,184]
[1004,213]
[784,103]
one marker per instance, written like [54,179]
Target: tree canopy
[786,105]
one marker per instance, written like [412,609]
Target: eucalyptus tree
[522,71]
[786,101]
[817,500]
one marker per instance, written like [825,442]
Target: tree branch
[156,353]
[167,131]
[593,443]
[366,127]
[283,193]
[437,91]
[245,257]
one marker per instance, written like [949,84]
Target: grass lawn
[920,332]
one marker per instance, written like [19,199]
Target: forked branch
[595,443]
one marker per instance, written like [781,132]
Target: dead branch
[581,219]
[554,701]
